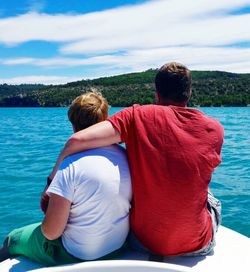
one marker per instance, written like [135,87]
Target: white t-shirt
[97,183]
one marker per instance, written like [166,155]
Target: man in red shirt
[172,152]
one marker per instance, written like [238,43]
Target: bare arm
[98,135]
[56,217]
[44,201]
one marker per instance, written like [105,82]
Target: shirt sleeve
[122,121]
[63,182]
[220,138]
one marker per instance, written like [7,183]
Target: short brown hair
[173,82]
[88,109]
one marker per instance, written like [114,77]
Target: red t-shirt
[172,152]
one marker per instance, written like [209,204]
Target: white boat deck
[232,253]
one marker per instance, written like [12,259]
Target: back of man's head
[173,82]
[87,110]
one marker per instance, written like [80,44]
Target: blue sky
[55,42]
[17,7]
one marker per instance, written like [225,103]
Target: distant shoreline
[209,89]
[55,107]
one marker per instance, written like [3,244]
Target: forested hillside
[210,88]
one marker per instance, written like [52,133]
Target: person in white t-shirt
[89,200]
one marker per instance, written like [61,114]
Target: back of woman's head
[87,110]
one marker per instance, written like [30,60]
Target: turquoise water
[30,140]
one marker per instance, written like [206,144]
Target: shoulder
[146,108]
[214,126]
[152,114]
[73,160]
[147,111]
[113,153]
[218,126]
[135,109]
[206,118]
[94,154]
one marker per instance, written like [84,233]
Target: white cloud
[204,58]
[58,62]
[197,58]
[54,80]
[149,34]
[47,80]
[17,61]
[154,23]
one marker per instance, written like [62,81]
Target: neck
[171,103]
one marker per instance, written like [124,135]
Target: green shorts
[30,242]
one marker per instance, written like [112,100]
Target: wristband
[49,180]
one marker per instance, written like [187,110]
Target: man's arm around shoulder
[98,135]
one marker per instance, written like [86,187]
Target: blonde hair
[88,109]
